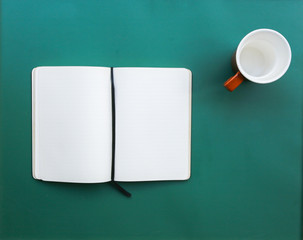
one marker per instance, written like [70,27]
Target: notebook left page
[72,124]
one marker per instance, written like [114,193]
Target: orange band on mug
[232,83]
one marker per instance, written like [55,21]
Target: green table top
[246,145]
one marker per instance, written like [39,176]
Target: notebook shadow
[99,189]
[75,188]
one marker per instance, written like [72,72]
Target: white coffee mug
[262,56]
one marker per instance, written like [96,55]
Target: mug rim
[257,79]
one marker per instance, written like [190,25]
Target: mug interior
[263,56]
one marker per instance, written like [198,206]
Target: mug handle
[232,83]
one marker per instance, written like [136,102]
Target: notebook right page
[153,123]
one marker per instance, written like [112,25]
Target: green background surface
[246,145]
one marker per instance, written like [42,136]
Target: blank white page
[153,119]
[72,124]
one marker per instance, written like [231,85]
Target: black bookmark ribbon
[115,184]
[121,189]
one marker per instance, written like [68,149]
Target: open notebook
[74,126]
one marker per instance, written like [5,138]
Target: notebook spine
[113,122]
[115,184]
